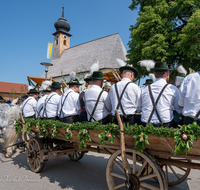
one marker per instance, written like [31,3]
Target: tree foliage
[166,30]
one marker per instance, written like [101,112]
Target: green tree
[163,33]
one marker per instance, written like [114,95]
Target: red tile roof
[13,87]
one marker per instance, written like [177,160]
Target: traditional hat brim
[161,69]
[46,90]
[121,69]
[33,92]
[87,79]
[74,83]
[55,87]
[148,83]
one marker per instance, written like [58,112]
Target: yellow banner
[49,50]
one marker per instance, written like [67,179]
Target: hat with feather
[73,79]
[95,73]
[126,67]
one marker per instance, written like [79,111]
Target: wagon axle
[134,182]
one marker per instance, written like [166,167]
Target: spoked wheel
[76,156]
[174,174]
[142,168]
[33,155]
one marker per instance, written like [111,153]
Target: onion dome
[61,24]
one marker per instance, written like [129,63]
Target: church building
[81,57]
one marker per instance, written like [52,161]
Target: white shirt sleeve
[107,101]
[182,91]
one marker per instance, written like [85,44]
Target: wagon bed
[126,167]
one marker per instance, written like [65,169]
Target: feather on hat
[152,77]
[149,64]
[94,67]
[72,75]
[120,63]
[181,69]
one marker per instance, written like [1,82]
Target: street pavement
[62,173]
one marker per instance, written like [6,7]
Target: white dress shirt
[131,99]
[167,102]
[29,107]
[104,105]
[51,105]
[70,106]
[40,106]
[189,97]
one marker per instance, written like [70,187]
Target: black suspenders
[45,104]
[95,106]
[155,104]
[24,106]
[120,98]
[63,103]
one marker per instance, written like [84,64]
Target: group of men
[156,103]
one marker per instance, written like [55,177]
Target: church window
[64,42]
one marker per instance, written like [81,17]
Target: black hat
[128,67]
[74,81]
[161,66]
[33,91]
[55,85]
[88,78]
[148,81]
[97,75]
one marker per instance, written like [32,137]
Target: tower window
[56,42]
[64,42]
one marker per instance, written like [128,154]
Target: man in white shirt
[68,103]
[29,105]
[162,114]
[189,98]
[81,103]
[40,104]
[97,101]
[51,102]
[125,96]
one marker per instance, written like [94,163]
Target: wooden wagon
[126,167]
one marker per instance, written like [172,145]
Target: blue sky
[27,26]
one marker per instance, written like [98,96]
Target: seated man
[51,102]
[189,98]
[97,101]
[81,103]
[159,99]
[29,105]
[125,96]
[68,103]
[40,104]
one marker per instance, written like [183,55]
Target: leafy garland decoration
[183,136]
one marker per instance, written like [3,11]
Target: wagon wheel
[139,177]
[33,155]
[174,174]
[76,156]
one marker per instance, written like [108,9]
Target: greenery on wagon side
[183,136]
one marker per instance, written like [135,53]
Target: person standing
[68,103]
[29,105]
[97,101]
[51,102]
[189,98]
[160,99]
[125,96]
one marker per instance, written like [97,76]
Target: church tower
[61,36]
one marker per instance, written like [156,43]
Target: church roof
[81,57]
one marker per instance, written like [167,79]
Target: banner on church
[49,50]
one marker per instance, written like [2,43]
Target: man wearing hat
[189,98]
[29,105]
[40,104]
[97,101]
[159,99]
[125,96]
[50,110]
[68,103]
[81,103]
[148,82]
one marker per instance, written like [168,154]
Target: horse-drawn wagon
[128,167]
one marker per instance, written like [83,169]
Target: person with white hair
[125,96]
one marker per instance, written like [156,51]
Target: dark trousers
[189,120]
[129,119]
[51,118]
[169,124]
[83,117]
[33,116]
[106,120]
[70,119]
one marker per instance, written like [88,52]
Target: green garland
[183,136]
